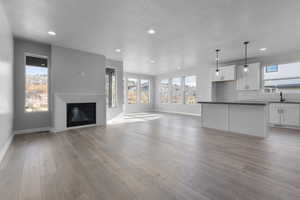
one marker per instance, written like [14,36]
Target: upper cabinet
[248,80]
[225,74]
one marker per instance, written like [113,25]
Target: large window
[164,91]
[190,90]
[176,96]
[283,76]
[183,90]
[144,91]
[132,90]
[111,88]
[36,84]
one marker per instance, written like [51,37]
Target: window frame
[26,54]
[137,91]
[268,70]
[169,92]
[116,87]
[268,89]
[184,96]
[149,91]
[181,90]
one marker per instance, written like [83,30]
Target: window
[176,96]
[164,91]
[111,88]
[36,84]
[145,91]
[284,76]
[132,90]
[190,90]
[271,68]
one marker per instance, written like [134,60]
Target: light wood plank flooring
[151,157]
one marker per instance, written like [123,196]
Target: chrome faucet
[281,97]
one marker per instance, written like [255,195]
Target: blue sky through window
[34,70]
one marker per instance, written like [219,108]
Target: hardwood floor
[151,156]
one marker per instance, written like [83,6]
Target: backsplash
[226,91]
[259,95]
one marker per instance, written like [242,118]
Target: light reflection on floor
[134,117]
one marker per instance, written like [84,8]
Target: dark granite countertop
[296,102]
[262,103]
[247,102]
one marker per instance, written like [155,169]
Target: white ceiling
[188,31]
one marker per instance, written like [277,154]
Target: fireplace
[79,114]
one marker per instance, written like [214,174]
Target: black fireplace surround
[79,114]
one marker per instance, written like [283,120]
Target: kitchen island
[249,118]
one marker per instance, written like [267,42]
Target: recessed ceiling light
[118,50]
[151,31]
[178,67]
[51,33]
[263,49]
[152,61]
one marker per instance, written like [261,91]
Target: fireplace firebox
[79,114]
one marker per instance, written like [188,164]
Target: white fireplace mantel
[60,108]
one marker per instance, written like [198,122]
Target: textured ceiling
[188,31]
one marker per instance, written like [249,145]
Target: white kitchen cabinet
[248,80]
[285,114]
[226,73]
[291,115]
[274,113]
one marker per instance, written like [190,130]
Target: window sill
[36,112]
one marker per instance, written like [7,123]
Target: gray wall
[75,71]
[227,90]
[22,120]
[6,81]
[118,66]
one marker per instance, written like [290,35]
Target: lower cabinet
[285,114]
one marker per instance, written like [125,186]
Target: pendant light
[217,62]
[246,59]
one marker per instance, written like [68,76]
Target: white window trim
[48,82]
[170,89]
[117,75]
[181,90]
[184,92]
[148,91]
[137,90]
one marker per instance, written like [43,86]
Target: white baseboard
[33,130]
[180,113]
[4,149]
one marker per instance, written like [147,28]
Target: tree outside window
[144,91]
[36,84]
[132,90]
[176,90]
[190,90]
[164,91]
